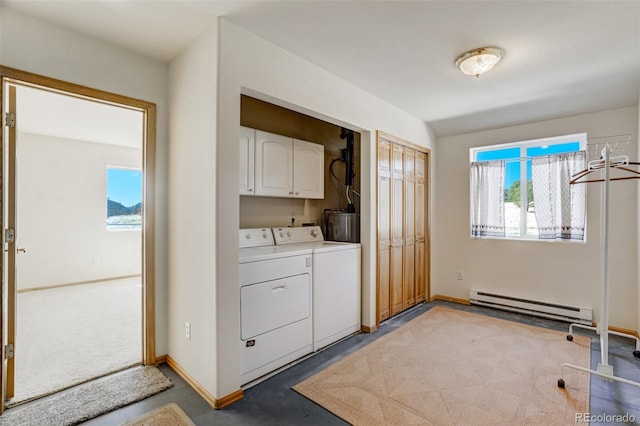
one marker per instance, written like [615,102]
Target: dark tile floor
[273,402]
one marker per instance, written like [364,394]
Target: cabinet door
[308,169]
[247,156]
[273,165]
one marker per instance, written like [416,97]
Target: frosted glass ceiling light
[479,61]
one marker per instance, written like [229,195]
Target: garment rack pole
[603,323]
[604,369]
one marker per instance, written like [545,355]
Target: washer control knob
[265,236]
[282,235]
[289,234]
[314,233]
[248,236]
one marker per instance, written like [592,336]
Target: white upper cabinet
[247,163]
[274,165]
[308,169]
[286,167]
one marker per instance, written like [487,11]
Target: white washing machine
[336,282]
[276,325]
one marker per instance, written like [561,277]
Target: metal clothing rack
[605,163]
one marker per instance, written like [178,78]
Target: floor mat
[89,400]
[167,415]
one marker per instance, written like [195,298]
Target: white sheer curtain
[560,207]
[487,199]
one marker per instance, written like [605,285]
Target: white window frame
[524,145]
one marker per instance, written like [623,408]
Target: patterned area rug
[167,415]
[451,367]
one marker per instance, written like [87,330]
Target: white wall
[61,195]
[559,272]
[272,212]
[255,67]
[192,217]
[35,46]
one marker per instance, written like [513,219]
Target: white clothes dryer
[275,304]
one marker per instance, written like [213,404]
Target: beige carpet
[450,367]
[167,415]
[68,335]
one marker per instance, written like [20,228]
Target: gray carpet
[89,400]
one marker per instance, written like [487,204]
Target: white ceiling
[47,113]
[561,57]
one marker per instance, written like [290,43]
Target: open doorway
[77,213]
[78,180]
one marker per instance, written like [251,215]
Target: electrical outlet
[460,275]
[187,330]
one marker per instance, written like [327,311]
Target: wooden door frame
[148,215]
[8,384]
[380,135]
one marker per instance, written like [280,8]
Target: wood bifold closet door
[402,234]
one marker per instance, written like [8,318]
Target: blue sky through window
[512,172]
[124,186]
[537,151]
[512,167]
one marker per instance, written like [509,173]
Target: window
[519,203]
[124,199]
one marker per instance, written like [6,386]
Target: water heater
[340,225]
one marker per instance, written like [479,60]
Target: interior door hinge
[9,235]
[8,351]
[10,119]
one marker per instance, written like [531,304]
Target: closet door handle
[22,250]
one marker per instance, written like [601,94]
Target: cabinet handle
[297,193]
[290,192]
[250,189]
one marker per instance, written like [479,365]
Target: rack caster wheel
[561,383]
[569,338]
[636,354]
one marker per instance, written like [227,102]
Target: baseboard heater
[532,307]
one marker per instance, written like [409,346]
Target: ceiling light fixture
[479,61]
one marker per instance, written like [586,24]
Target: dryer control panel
[255,237]
[304,234]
